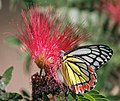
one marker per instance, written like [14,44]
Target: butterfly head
[62,54]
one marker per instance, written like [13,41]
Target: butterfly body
[79,66]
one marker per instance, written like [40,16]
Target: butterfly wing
[79,66]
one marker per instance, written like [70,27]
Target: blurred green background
[97,21]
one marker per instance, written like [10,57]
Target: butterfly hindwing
[79,77]
[79,66]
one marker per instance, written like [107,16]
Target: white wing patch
[99,59]
[81,51]
[96,63]
[92,56]
[87,58]
[95,52]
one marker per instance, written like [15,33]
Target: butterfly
[79,66]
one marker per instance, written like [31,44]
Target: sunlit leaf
[88,96]
[79,97]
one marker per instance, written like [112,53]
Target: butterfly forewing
[93,55]
[79,66]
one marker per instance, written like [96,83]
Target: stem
[66,98]
[54,97]
[40,72]
[115,28]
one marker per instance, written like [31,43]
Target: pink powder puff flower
[44,40]
[113,9]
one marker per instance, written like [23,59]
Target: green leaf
[45,97]
[24,54]
[93,95]
[12,40]
[83,99]
[28,63]
[10,97]
[7,75]
[94,92]
[113,98]
[97,96]
[25,93]
[58,98]
[79,97]
[101,99]
[70,98]
[103,76]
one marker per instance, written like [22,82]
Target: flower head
[46,85]
[113,9]
[44,39]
